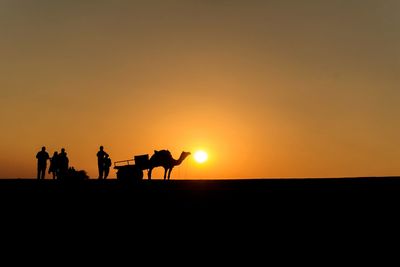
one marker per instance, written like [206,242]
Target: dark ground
[290,198]
[269,211]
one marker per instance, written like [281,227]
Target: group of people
[59,163]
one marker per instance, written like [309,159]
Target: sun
[200,156]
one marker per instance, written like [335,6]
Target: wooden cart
[132,169]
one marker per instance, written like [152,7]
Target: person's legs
[43,171]
[106,172]
[101,171]
[38,172]
[61,173]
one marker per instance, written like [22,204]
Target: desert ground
[254,197]
[238,213]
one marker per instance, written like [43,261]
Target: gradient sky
[268,88]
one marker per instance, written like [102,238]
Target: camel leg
[149,174]
[169,173]
[165,174]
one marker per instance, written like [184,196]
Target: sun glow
[200,156]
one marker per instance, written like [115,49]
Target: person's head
[101,148]
[62,150]
[43,148]
[55,153]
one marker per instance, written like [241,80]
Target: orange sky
[267,88]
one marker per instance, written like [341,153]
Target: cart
[132,169]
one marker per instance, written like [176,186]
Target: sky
[269,89]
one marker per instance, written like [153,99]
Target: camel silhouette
[163,158]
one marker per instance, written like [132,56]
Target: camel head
[183,156]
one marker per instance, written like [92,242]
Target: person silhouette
[101,154]
[107,165]
[42,157]
[63,163]
[54,162]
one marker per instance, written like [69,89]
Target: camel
[163,158]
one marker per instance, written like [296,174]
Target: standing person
[107,165]
[100,161]
[54,168]
[42,157]
[63,162]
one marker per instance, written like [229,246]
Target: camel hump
[165,152]
[162,153]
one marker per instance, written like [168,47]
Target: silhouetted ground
[254,219]
[245,205]
[241,214]
[259,197]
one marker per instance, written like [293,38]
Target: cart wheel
[130,173]
[137,174]
[122,174]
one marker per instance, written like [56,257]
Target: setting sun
[200,156]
